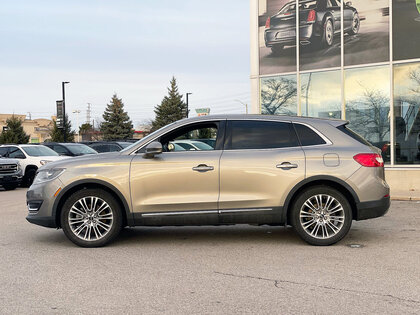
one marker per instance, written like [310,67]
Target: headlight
[43,162]
[47,175]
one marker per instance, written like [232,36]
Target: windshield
[80,149]
[39,150]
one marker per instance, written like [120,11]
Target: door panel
[253,178]
[169,183]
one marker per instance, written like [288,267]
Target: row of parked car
[19,162]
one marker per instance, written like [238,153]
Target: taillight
[268,23]
[311,16]
[369,159]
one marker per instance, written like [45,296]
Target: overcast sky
[129,47]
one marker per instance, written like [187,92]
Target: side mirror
[349,3]
[153,149]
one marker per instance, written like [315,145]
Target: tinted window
[354,135]
[261,135]
[3,152]
[59,149]
[16,153]
[80,149]
[307,136]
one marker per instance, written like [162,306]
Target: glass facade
[357,60]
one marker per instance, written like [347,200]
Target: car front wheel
[355,26]
[321,215]
[91,218]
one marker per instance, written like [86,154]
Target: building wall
[371,79]
[37,129]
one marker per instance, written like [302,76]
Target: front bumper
[373,209]
[10,179]
[40,200]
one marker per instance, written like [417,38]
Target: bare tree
[277,95]
[369,115]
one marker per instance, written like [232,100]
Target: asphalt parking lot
[224,270]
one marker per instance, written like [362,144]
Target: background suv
[314,174]
[30,156]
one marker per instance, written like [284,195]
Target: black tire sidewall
[116,211]
[305,195]
[29,177]
[9,187]
[324,40]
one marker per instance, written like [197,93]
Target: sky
[131,48]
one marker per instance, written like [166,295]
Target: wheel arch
[95,184]
[329,181]
[29,167]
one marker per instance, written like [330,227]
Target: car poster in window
[366,27]
[320,34]
[406,29]
[277,36]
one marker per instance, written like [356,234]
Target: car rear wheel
[277,49]
[321,215]
[355,26]
[91,218]
[328,35]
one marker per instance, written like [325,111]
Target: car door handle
[203,168]
[287,165]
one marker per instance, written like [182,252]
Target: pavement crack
[277,283]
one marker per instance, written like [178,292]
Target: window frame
[221,130]
[228,137]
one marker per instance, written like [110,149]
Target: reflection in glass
[321,94]
[407,113]
[279,95]
[367,105]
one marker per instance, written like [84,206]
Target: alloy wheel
[322,216]
[90,218]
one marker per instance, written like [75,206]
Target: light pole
[245,104]
[64,110]
[77,111]
[188,110]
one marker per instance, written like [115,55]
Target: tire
[277,49]
[9,186]
[328,34]
[355,24]
[29,177]
[319,227]
[87,228]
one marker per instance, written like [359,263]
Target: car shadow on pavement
[208,234]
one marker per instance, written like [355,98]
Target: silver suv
[314,174]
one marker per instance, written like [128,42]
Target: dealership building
[367,72]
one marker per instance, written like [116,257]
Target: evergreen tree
[171,109]
[117,125]
[85,128]
[14,132]
[57,134]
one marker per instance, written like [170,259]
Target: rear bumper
[287,36]
[373,209]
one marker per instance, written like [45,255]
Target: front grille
[8,168]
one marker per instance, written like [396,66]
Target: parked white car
[31,157]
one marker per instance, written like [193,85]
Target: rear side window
[354,135]
[307,136]
[261,135]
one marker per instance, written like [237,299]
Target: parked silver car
[313,174]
